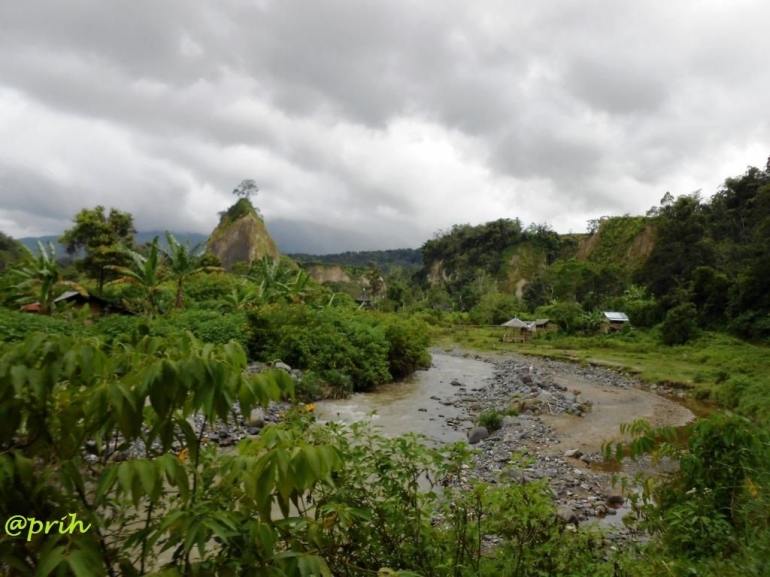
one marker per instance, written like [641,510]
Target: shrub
[409,341]
[209,326]
[202,288]
[15,326]
[680,326]
[491,419]
[321,341]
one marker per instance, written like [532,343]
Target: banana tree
[181,262]
[146,272]
[40,278]
[243,295]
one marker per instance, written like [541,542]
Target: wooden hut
[545,325]
[614,321]
[98,306]
[516,330]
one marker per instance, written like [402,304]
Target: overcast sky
[388,119]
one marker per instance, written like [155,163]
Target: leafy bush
[408,350]
[114,328]
[15,326]
[717,504]
[208,326]
[321,341]
[209,287]
[680,326]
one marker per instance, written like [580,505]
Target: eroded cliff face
[244,239]
[327,273]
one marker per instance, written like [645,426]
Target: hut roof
[542,322]
[615,317]
[516,323]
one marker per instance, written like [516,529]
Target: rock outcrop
[241,236]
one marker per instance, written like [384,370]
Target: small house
[97,305]
[517,330]
[545,325]
[614,321]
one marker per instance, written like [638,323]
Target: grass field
[729,371]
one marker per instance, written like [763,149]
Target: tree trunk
[179,296]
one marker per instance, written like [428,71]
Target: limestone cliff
[241,236]
[323,273]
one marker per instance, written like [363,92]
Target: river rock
[283,366]
[573,453]
[477,434]
[256,419]
[615,500]
[567,514]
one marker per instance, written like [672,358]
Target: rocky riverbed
[559,416]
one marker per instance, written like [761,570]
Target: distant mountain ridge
[140,238]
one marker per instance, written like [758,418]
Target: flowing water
[397,406]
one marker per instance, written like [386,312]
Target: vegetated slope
[502,252]
[706,258]
[241,236]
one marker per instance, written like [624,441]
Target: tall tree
[103,237]
[246,188]
[181,262]
[10,250]
[40,278]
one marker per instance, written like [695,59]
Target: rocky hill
[241,236]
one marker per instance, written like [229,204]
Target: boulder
[567,514]
[615,500]
[283,366]
[477,434]
[256,419]
[573,453]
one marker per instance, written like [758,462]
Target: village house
[98,306]
[614,321]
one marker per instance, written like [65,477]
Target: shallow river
[397,405]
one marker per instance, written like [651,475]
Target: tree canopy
[103,237]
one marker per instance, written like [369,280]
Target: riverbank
[566,413]
[559,415]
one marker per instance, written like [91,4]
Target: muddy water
[397,406]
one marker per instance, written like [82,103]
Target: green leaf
[50,561]
[82,564]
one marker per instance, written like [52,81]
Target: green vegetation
[385,260]
[306,499]
[491,419]
[10,250]
[103,237]
[39,278]
[712,515]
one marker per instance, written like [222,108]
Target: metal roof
[616,317]
[65,296]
